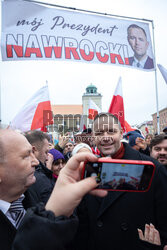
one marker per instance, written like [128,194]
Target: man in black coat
[17,166]
[112,222]
[51,226]
[45,182]
[137,39]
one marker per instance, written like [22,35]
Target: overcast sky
[67,81]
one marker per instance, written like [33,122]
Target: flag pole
[156,82]
[88,11]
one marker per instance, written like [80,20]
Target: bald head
[6,137]
[17,164]
[8,141]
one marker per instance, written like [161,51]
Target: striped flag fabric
[93,110]
[117,105]
[35,114]
[82,125]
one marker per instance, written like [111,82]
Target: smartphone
[121,175]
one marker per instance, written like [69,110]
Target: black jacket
[42,188]
[41,230]
[111,222]
[7,230]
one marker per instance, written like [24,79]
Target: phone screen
[121,176]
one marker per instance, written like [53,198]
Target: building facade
[68,117]
[162,120]
[146,127]
[91,93]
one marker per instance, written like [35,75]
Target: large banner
[32,31]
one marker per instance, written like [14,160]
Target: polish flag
[117,104]
[93,110]
[146,129]
[128,128]
[35,114]
[82,125]
[163,72]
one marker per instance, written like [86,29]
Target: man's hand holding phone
[70,189]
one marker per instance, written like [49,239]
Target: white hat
[79,146]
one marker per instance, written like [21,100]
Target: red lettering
[126,60]
[86,57]
[101,58]
[30,51]
[18,50]
[73,51]
[47,117]
[114,56]
[57,51]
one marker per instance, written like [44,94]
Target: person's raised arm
[63,140]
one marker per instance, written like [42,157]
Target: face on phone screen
[121,176]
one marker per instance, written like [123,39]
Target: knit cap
[132,137]
[56,154]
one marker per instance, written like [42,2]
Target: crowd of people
[45,204]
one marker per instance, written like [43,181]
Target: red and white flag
[128,128]
[163,72]
[117,105]
[35,114]
[82,125]
[93,110]
[146,129]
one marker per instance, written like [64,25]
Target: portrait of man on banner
[138,41]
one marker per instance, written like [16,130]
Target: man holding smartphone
[25,225]
[112,222]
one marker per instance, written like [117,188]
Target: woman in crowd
[148,139]
[56,162]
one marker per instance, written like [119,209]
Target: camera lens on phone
[98,179]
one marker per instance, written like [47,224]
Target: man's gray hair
[106,114]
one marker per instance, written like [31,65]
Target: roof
[149,123]
[164,109]
[67,109]
[91,86]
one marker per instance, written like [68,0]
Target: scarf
[120,153]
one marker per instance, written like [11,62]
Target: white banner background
[35,32]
